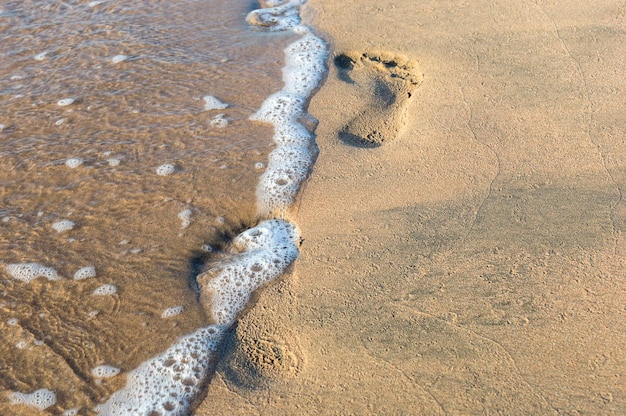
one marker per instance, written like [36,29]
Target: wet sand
[476,263]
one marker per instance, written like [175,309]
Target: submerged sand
[476,263]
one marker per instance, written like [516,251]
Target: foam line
[167,384]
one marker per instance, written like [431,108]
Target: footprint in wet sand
[391,81]
[260,351]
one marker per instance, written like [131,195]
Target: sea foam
[167,384]
[40,399]
[29,271]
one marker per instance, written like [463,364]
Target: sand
[474,263]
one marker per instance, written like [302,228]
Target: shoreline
[475,264]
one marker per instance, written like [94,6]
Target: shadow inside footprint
[391,81]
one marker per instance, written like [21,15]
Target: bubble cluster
[74,162]
[173,311]
[219,121]
[63,225]
[105,371]
[40,399]
[165,169]
[212,103]
[295,153]
[279,16]
[65,102]
[166,384]
[305,65]
[185,218]
[85,273]
[29,271]
[119,58]
[105,290]
[261,254]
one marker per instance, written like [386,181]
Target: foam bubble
[259,165]
[85,273]
[40,399]
[113,161]
[40,56]
[219,121]
[71,412]
[59,122]
[287,169]
[212,103]
[166,384]
[173,311]
[74,162]
[165,170]
[12,321]
[65,102]
[105,290]
[119,58]
[280,108]
[63,225]
[305,65]
[279,18]
[292,159]
[185,218]
[29,271]
[95,3]
[105,371]
[262,253]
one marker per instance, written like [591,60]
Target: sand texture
[473,261]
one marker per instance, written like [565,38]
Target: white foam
[165,169]
[279,18]
[105,290]
[59,122]
[119,58]
[261,254]
[71,412]
[95,3]
[105,371]
[173,311]
[12,321]
[219,121]
[212,103]
[65,102]
[63,225]
[305,65]
[166,384]
[113,161]
[85,273]
[29,271]
[74,162]
[40,56]
[185,218]
[40,399]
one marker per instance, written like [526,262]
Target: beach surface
[475,262]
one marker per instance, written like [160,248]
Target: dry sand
[477,263]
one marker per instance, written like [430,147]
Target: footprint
[391,81]
[260,352]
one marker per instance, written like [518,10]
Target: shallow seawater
[109,160]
